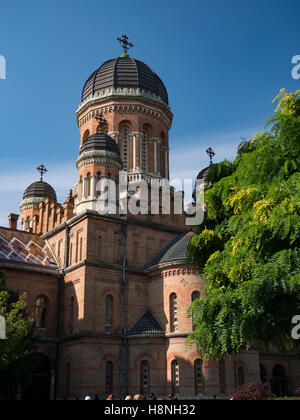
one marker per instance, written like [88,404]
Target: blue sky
[222,62]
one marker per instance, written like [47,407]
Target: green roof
[175,251]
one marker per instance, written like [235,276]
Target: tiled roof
[175,251]
[147,324]
[23,247]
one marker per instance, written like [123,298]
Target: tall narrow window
[109,371]
[175,377]
[125,148]
[240,376]
[80,249]
[145,377]
[41,306]
[222,376]
[195,296]
[173,313]
[108,314]
[198,376]
[144,143]
[71,323]
[85,136]
[71,254]
[88,182]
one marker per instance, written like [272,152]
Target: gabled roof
[24,247]
[175,251]
[147,324]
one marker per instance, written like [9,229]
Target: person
[171,397]
[96,398]
[128,398]
[151,397]
[88,398]
[137,397]
[110,397]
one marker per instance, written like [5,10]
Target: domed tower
[99,158]
[35,194]
[134,102]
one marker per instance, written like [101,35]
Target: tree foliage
[16,359]
[248,247]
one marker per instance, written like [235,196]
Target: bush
[255,391]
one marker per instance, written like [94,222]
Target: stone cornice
[83,117]
[124,93]
[32,202]
[13,265]
[98,156]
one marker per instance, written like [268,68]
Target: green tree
[16,351]
[248,247]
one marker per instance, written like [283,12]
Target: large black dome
[40,189]
[124,72]
[100,141]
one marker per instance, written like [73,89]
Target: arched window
[222,380]
[125,133]
[240,376]
[198,377]
[144,147]
[72,304]
[88,183]
[145,377]
[173,313]
[108,314]
[195,296]
[175,381]
[85,136]
[109,372]
[41,307]
[80,190]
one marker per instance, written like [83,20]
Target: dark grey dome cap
[100,141]
[40,189]
[124,72]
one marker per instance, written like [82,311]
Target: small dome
[100,141]
[124,72]
[175,251]
[40,189]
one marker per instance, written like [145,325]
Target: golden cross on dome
[211,154]
[42,170]
[125,43]
[102,121]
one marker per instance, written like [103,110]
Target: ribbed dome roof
[175,251]
[100,141]
[124,72]
[40,189]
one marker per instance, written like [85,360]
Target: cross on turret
[125,43]
[42,170]
[102,121]
[211,154]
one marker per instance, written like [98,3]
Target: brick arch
[194,287]
[110,291]
[240,363]
[179,357]
[125,122]
[145,356]
[193,357]
[109,357]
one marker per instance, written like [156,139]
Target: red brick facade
[86,296]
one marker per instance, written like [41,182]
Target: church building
[110,292]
